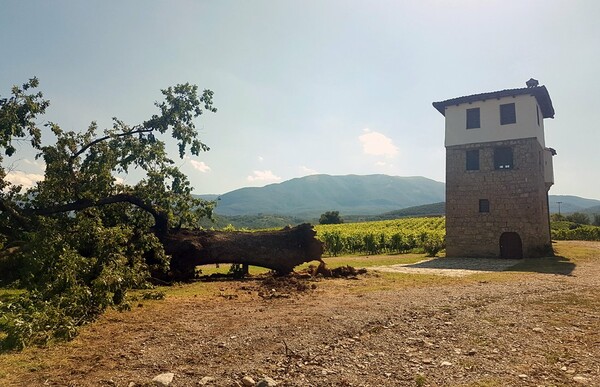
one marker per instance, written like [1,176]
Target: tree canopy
[80,238]
[578,217]
[330,217]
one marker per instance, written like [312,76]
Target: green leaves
[398,236]
[181,106]
[82,238]
[330,217]
[74,277]
[18,117]
[83,165]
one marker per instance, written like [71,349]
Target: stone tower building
[498,173]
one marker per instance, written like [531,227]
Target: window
[484,205]
[508,114]
[473,160]
[473,118]
[537,110]
[503,158]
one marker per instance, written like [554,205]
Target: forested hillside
[310,196]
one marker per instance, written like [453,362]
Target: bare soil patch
[494,328]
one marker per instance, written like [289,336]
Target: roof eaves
[539,92]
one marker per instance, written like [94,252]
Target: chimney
[532,82]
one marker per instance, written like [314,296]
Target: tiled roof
[539,92]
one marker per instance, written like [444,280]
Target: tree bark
[280,250]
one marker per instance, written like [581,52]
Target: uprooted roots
[275,286]
[338,272]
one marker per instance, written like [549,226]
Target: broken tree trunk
[280,250]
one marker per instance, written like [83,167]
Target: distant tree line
[578,218]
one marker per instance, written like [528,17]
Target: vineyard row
[390,236]
[412,235]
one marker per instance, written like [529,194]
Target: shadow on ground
[549,265]
[475,264]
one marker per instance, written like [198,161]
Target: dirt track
[502,329]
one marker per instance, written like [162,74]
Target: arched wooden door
[511,246]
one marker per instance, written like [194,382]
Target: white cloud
[377,144]
[381,163]
[307,171]
[27,180]
[119,180]
[264,176]
[200,166]
[261,159]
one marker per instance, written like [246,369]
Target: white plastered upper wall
[527,114]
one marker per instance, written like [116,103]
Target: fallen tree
[277,250]
[80,238]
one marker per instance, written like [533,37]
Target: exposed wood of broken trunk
[280,250]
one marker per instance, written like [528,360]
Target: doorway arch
[511,246]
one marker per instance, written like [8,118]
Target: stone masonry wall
[517,197]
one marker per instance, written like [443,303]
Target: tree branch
[98,140]
[160,218]
[23,221]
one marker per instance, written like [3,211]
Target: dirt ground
[490,328]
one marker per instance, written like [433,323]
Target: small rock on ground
[266,382]
[206,380]
[580,380]
[163,379]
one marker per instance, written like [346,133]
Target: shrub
[370,244]
[334,243]
[432,246]
[401,243]
[578,217]
[583,233]
[383,244]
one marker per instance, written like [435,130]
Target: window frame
[504,158]
[472,162]
[473,117]
[508,113]
[484,206]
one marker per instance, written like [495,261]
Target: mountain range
[355,196]
[310,196]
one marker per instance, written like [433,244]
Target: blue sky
[302,87]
